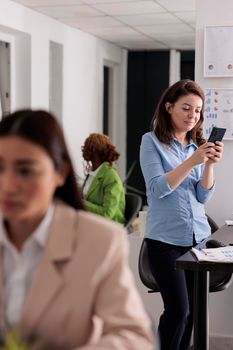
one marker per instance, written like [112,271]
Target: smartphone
[216,134]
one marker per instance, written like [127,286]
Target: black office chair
[133,203]
[214,227]
[218,280]
[144,269]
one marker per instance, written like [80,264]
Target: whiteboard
[218,51]
[219,111]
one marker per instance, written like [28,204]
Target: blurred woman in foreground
[64,271]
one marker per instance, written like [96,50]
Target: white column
[174,66]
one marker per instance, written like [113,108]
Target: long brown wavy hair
[102,146]
[161,123]
[41,128]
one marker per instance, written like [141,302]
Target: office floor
[221,343]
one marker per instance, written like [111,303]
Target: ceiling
[130,24]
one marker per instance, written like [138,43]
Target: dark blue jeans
[176,288]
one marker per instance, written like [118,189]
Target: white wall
[221,207]
[56,79]
[5,77]
[83,58]
[215,12]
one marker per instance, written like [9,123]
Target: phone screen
[216,134]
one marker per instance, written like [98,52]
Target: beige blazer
[84,278]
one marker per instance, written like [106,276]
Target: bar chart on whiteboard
[219,111]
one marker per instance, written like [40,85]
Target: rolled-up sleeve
[152,169]
[203,195]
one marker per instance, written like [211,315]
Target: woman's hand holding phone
[216,151]
[203,153]
[215,138]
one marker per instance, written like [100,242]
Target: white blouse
[20,267]
[90,177]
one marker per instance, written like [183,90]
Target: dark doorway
[148,76]
[106,101]
[187,65]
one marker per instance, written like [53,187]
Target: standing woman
[103,189]
[64,276]
[177,165]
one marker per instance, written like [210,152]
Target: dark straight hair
[42,128]
[161,122]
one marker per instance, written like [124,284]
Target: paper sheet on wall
[219,111]
[218,51]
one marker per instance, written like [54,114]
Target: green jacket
[106,194]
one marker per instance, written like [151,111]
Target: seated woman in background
[65,279]
[103,189]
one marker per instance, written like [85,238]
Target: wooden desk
[201,285]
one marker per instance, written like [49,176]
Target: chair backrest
[144,269]
[213,225]
[133,203]
[219,280]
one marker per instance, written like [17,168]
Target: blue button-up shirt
[174,215]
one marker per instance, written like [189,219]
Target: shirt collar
[191,143]
[93,173]
[39,235]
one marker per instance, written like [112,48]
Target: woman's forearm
[176,176]
[207,179]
